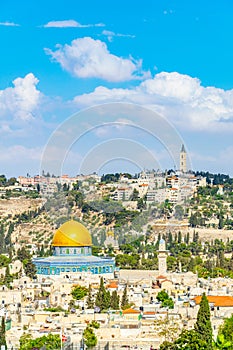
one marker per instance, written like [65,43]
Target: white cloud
[9,24]
[219,161]
[70,23]
[180,98]
[17,153]
[195,156]
[21,100]
[19,159]
[172,85]
[110,35]
[89,58]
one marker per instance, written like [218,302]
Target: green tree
[102,297]
[2,180]
[29,269]
[38,188]
[8,277]
[79,292]
[95,324]
[79,199]
[227,329]
[220,221]
[90,301]
[135,195]
[165,300]
[3,333]
[169,303]
[2,239]
[179,237]
[179,212]
[167,328]
[89,337]
[141,204]
[8,235]
[187,340]
[190,340]
[4,261]
[115,299]
[161,296]
[50,342]
[24,341]
[193,220]
[203,325]
[167,345]
[222,344]
[11,181]
[76,186]
[23,254]
[125,300]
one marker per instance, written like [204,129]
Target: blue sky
[58,57]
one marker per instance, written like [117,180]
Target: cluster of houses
[43,306]
[153,186]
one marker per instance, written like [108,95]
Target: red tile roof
[112,285]
[222,301]
[161,277]
[130,311]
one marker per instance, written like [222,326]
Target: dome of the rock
[72,234]
[72,254]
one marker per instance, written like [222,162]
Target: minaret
[183,164]
[162,257]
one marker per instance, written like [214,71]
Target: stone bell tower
[183,160]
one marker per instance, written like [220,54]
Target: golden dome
[72,234]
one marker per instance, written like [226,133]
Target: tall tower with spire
[183,160]
[162,258]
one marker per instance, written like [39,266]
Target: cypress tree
[222,263]
[3,333]
[187,238]
[170,239]
[124,300]
[42,250]
[8,277]
[107,300]
[179,237]
[102,297]
[2,240]
[8,236]
[90,301]
[194,236]
[203,324]
[114,303]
